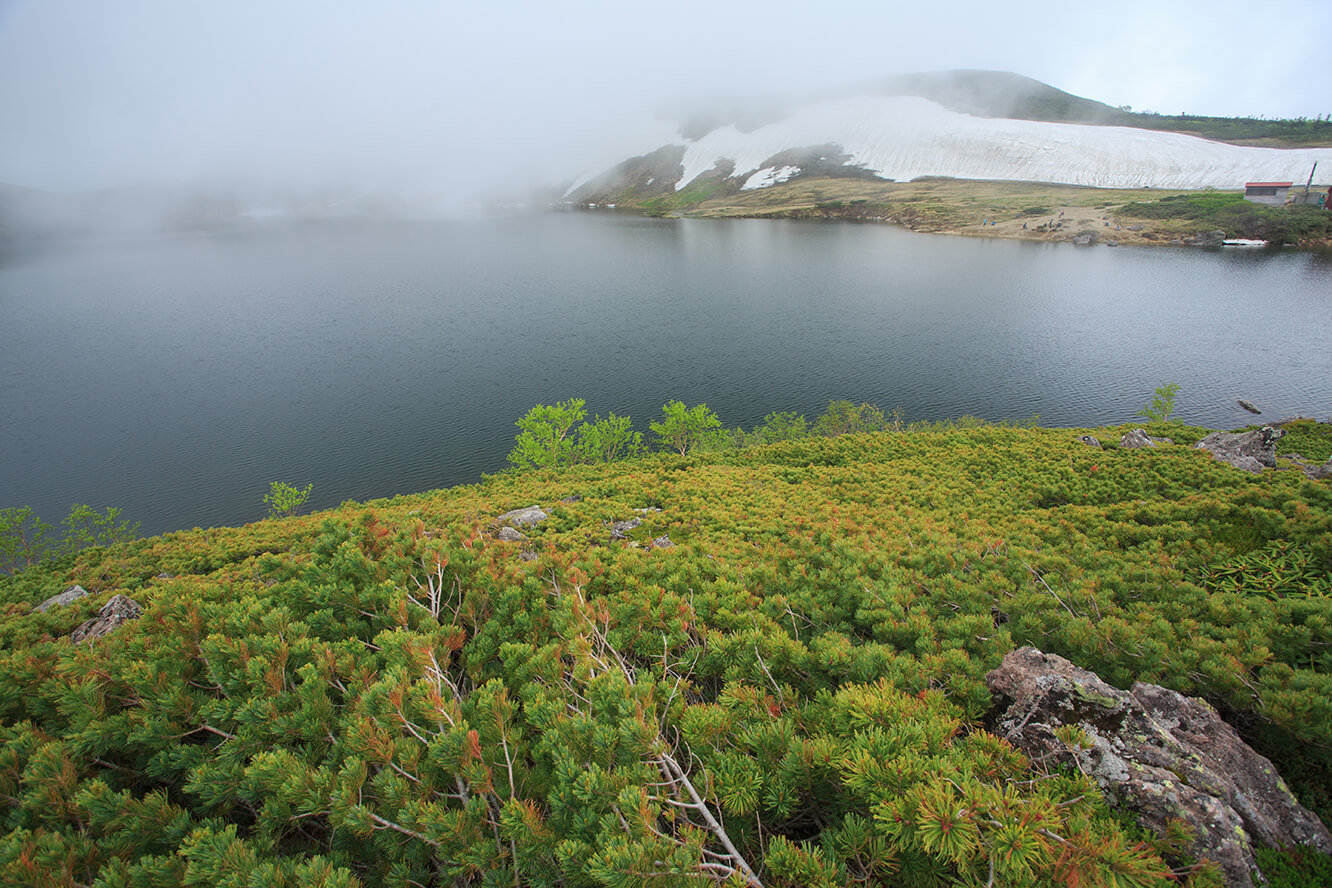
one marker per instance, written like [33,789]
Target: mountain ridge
[958,124]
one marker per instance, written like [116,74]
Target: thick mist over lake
[176,377]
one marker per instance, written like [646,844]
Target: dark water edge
[175,377]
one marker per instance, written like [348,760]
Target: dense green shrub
[1231,213]
[385,694]
[557,435]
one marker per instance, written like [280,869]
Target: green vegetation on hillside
[25,539]
[1293,132]
[696,192]
[1237,217]
[793,692]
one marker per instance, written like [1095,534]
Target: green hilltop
[791,691]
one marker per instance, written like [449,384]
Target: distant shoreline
[1030,211]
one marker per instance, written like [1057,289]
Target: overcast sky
[446,95]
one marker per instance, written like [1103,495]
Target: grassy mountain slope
[386,694]
[1029,210]
[998,94]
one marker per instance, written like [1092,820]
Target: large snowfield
[906,138]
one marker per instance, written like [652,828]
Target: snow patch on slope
[904,138]
[769,176]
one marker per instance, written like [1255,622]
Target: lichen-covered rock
[523,517]
[1160,754]
[662,542]
[620,529]
[1242,449]
[69,596]
[1089,440]
[1140,438]
[1208,239]
[509,535]
[119,609]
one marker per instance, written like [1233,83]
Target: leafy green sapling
[1162,405]
[284,500]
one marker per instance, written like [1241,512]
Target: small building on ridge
[1271,193]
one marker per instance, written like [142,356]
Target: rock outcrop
[523,517]
[1209,239]
[1140,438]
[69,596]
[120,609]
[1089,440]
[509,535]
[620,529]
[1158,753]
[1250,451]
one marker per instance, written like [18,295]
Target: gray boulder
[1159,754]
[69,596]
[1247,464]
[1243,449]
[619,529]
[1140,438]
[509,535]
[523,517]
[120,609]
[1089,440]
[662,542]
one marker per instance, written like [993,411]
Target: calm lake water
[176,377]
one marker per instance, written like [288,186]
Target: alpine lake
[175,377]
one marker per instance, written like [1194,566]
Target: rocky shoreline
[1032,211]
